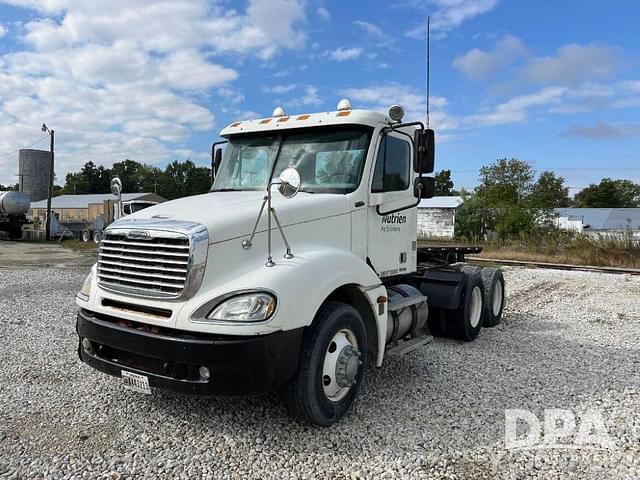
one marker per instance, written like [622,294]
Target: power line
[21,148]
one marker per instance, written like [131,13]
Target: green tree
[130,173]
[181,179]
[548,192]
[498,204]
[444,183]
[609,194]
[506,182]
[90,179]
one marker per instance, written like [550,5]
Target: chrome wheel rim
[341,365]
[476,307]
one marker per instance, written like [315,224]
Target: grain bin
[34,167]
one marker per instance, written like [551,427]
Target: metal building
[33,173]
[617,222]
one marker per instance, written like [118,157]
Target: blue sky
[556,83]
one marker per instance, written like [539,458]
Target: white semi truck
[298,270]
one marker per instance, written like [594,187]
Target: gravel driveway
[569,341]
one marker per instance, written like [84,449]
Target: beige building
[84,208]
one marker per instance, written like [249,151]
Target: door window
[393,166]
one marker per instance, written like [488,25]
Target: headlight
[250,307]
[85,291]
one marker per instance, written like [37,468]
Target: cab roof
[341,117]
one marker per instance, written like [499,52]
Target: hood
[228,215]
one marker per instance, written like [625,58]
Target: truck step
[409,346]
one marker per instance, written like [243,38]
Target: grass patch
[565,247]
[79,245]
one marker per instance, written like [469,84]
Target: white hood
[228,215]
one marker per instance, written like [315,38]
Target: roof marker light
[278,112]
[283,119]
[343,113]
[266,120]
[235,124]
[343,104]
[303,117]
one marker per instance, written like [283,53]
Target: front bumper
[239,365]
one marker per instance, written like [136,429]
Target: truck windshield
[328,160]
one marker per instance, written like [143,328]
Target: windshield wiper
[228,190]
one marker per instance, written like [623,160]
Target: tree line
[511,199]
[177,179]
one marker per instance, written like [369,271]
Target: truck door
[391,243]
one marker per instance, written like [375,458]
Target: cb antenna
[428,61]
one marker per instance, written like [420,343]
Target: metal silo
[34,173]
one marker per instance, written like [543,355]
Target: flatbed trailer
[445,253]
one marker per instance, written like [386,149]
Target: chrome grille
[154,266]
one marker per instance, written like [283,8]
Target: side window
[393,166]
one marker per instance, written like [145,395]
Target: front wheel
[331,365]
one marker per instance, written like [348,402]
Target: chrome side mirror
[290,182]
[116,186]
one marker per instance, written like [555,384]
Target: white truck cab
[298,269]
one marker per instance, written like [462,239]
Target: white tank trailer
[14,207]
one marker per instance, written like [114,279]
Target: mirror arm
[402,125]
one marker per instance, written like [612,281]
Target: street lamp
[51,133]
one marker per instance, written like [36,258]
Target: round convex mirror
[289,182]
[116,186]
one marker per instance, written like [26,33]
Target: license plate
[135,382]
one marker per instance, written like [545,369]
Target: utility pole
[51,133]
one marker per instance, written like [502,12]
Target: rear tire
[86,235]
[331,366]
[465,323]
[494,294]
[96,237]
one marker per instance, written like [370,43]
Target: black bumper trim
[239,365]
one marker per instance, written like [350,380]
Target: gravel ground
[569,340]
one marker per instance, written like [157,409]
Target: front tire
[331,366]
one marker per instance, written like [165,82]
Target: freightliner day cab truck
[299,269]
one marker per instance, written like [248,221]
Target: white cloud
[450,14]
[370,28]
[381,97]
[3,30]
[342,54]
[280,89]
[558,99]
[188,69]
[309,99]
[573,64]
[118,79]
[480,64]
[516,109]
[323,13]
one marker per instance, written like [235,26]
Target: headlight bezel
[204,314]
